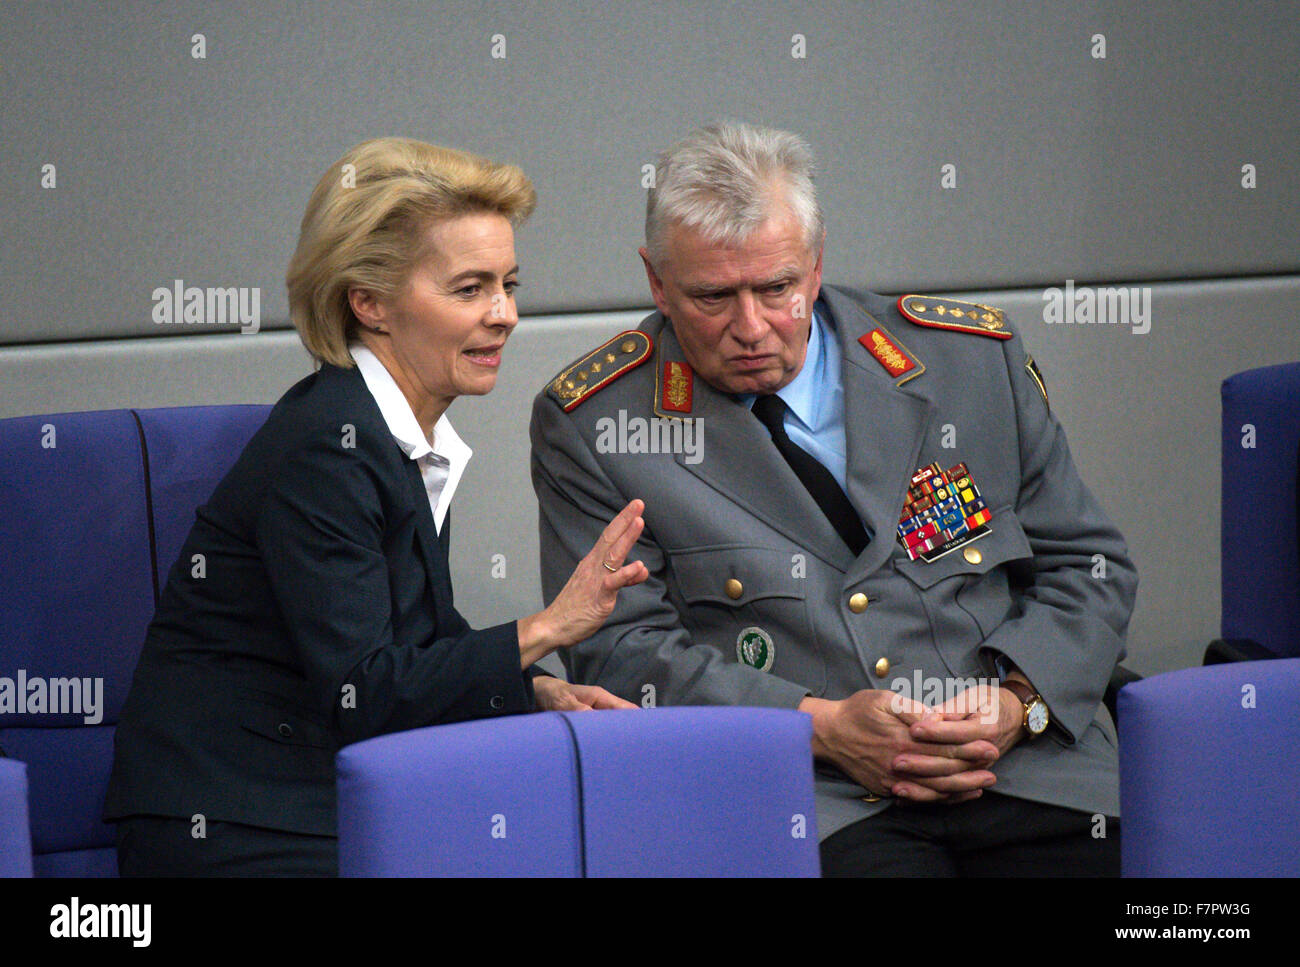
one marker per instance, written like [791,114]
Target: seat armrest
[1224,650]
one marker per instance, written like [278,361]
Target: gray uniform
[733,541]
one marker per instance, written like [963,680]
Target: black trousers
[993,835]
[166,846]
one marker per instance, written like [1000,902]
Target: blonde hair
[364,221]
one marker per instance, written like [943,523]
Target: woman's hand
[556,695]
[588,597]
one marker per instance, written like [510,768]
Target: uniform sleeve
[643,643]
[320,531]
[1077,604]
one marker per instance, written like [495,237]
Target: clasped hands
[892,745]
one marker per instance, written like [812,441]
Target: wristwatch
[1036,717]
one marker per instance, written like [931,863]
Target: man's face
[741,313]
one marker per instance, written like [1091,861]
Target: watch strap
[1021,691]
[1027,697]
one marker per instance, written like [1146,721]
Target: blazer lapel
[433,549]
[433,546]
[885,420]
[742,463]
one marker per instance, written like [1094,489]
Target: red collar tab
[887,353]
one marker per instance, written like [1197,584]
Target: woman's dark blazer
[311,607]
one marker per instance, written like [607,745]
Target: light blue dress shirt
[815,421]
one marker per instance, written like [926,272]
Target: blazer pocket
[281,721]
[727,589]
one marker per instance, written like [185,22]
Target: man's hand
[556,695]
[980,714]
[868,732]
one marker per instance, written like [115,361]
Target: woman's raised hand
[589,596]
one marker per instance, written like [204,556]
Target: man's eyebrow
[486,275]
[703,288]
[787,274]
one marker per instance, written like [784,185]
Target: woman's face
[448,326]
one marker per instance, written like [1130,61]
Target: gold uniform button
[858,603]
[882,667]
[972,555]
[733,588]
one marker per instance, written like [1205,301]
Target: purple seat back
[669,792]
[1260,542]
[189,449]
[697,792]
[1209,771]
[75,566]
[15,833]
[81,558]
[497,797]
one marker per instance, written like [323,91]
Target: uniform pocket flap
[1004,541]
[736,575]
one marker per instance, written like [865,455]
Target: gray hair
[722,180]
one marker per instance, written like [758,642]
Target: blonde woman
[326,614]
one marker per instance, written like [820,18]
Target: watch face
[1037,718]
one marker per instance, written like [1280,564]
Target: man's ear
[656,284]
[817,269]
[368,309]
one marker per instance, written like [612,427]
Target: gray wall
[1124,170]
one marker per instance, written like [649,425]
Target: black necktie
[770,411]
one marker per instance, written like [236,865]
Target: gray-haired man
[936,608]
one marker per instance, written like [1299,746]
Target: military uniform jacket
[733,541]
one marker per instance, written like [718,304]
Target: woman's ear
[368,309]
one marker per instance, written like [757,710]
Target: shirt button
[858,603]
[497,702]
[972,555]
[285,730]
[882,667]
[733,588]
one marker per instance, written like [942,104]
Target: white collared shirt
[442,464]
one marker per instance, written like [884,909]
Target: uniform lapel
[885,420]
[742,463]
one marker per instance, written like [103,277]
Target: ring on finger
[609,567]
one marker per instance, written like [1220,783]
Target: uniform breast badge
[754,648]
[943,511]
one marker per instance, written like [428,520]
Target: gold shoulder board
[599,368]
[954,314]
